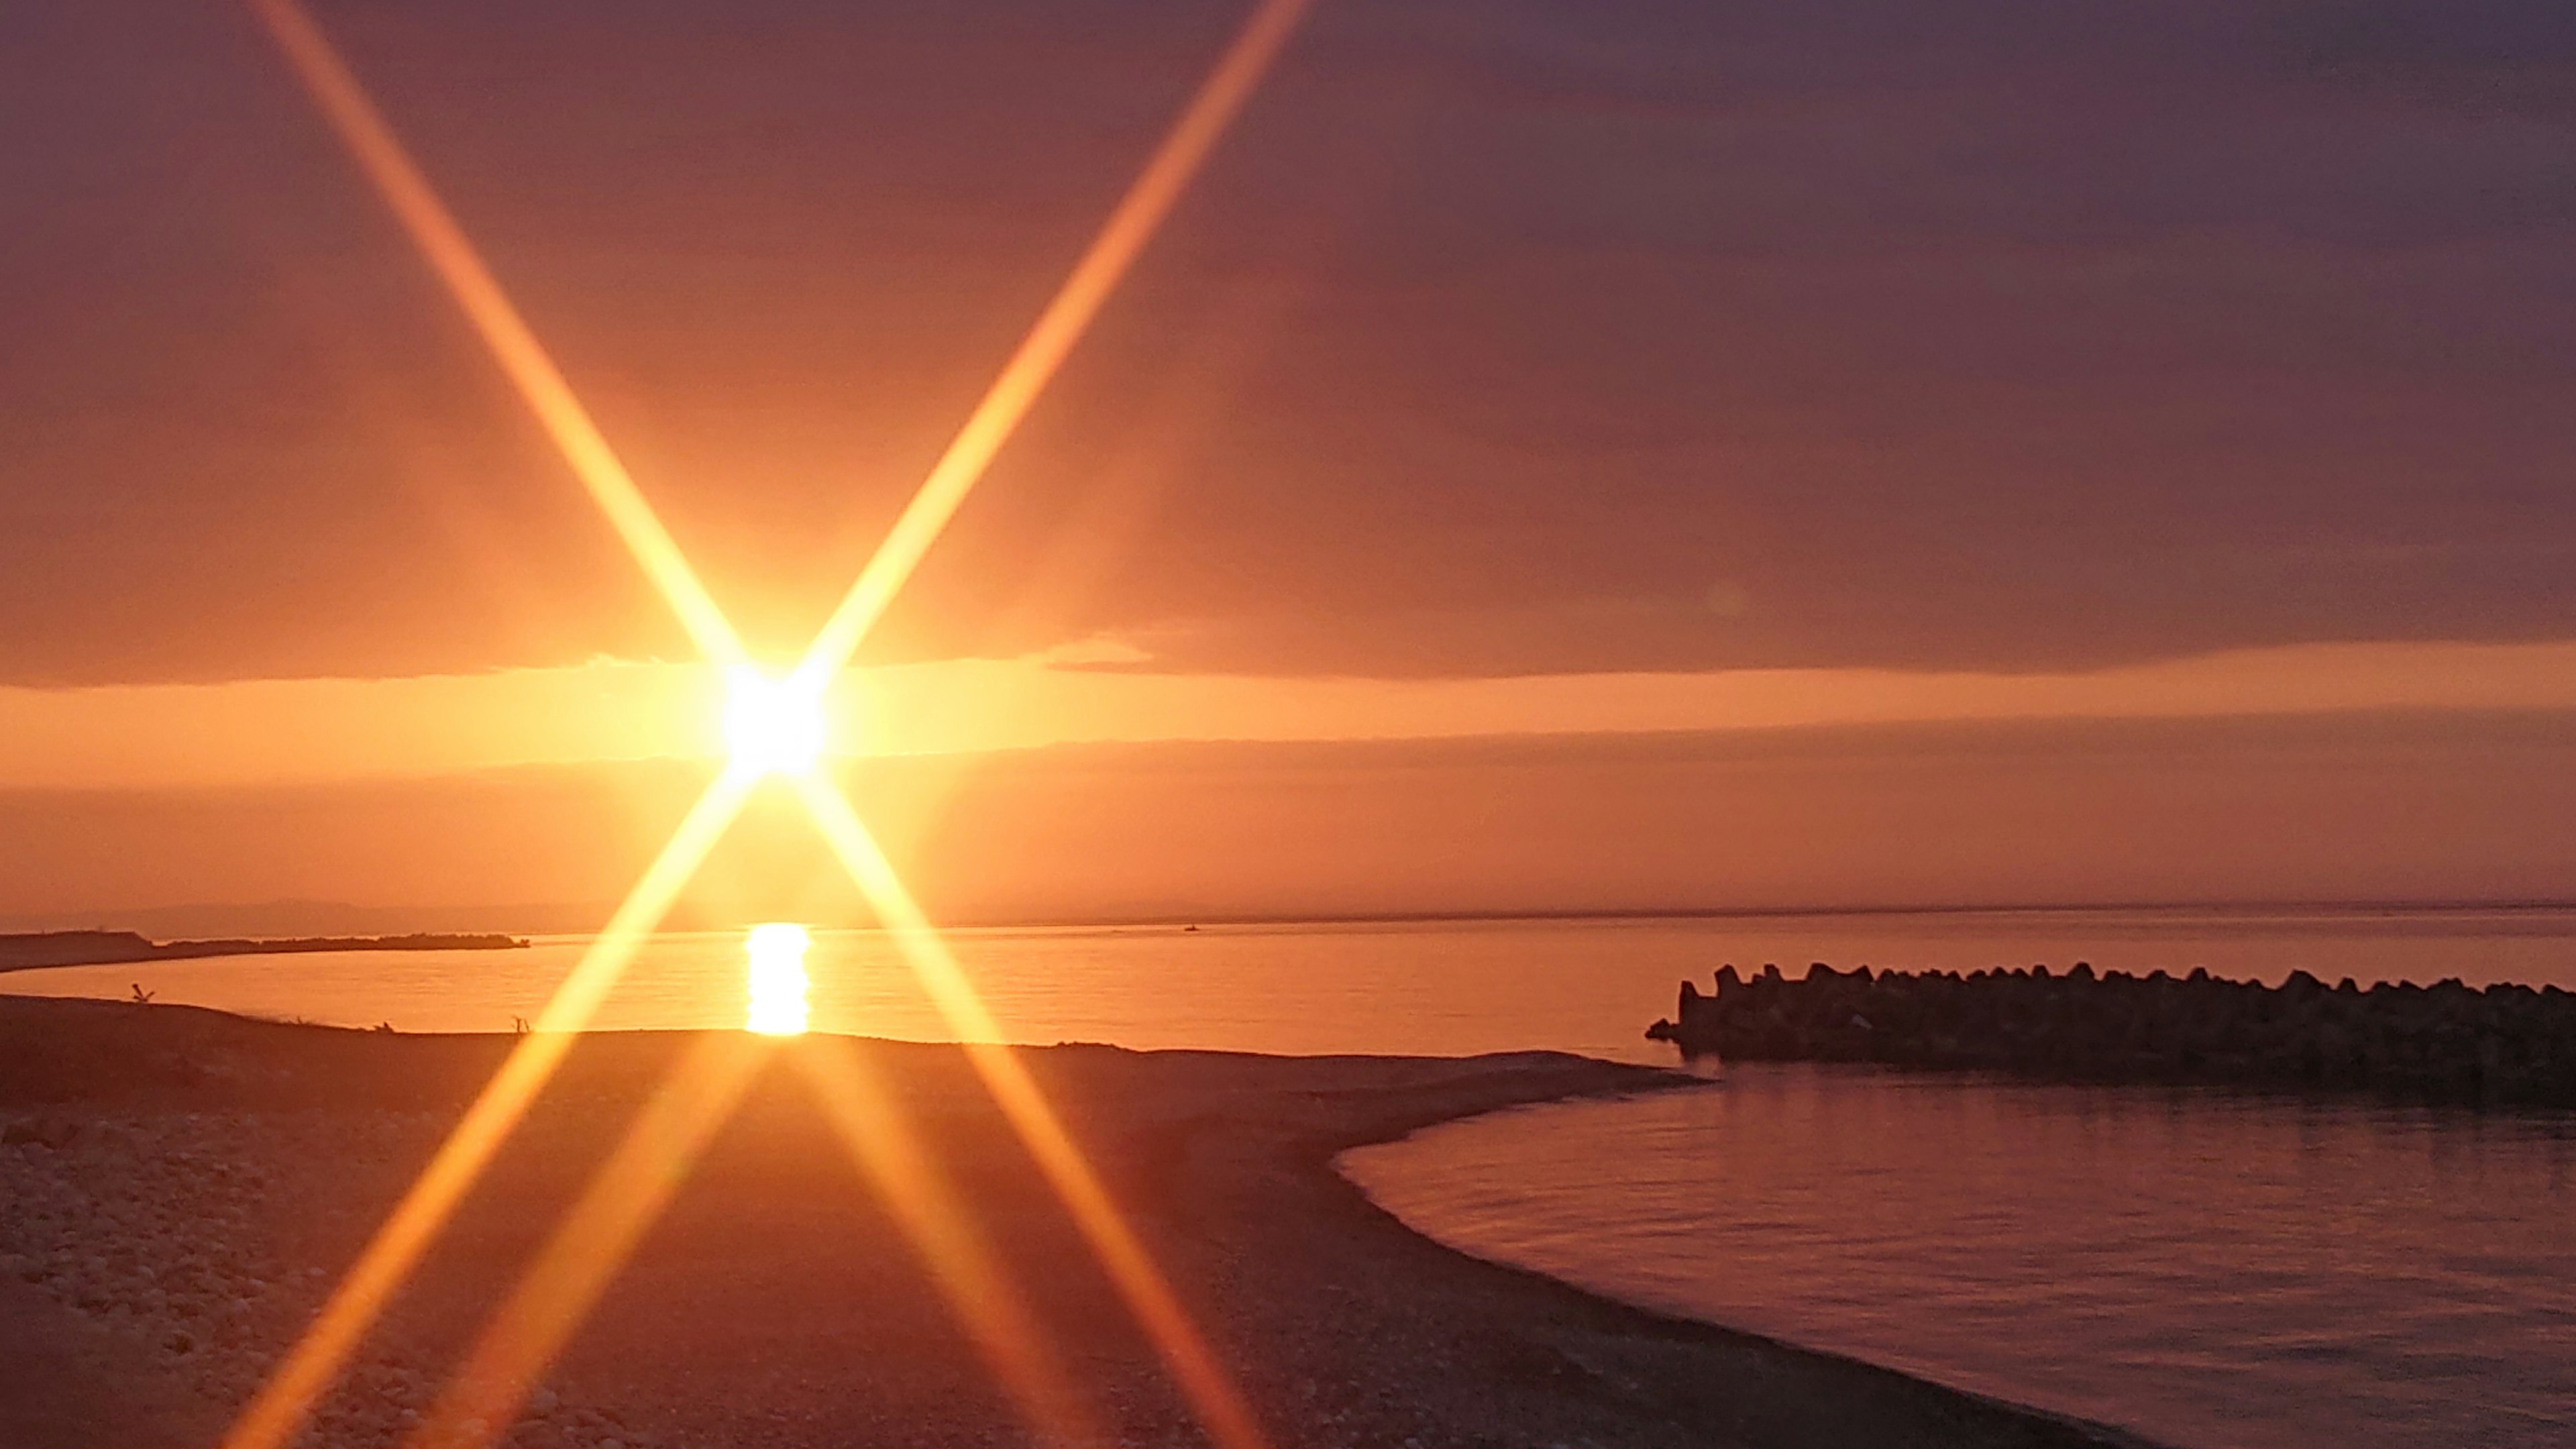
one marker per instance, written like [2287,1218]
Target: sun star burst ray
[1203,1380]
[1139,214]
[926,1206]
[549,1302]
[625,1196]
[370,1284]
[433,230]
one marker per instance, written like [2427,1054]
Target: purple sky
[1501,336]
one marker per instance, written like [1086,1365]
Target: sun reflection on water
[778,980]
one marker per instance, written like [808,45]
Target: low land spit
[33,949]
[179,1189]
[2505,1045]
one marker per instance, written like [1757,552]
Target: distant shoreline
[37,950]
[1613,915]
[528,921]
[2542,905]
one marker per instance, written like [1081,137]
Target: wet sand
[181,1188]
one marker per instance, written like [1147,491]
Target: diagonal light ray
[624,1198]
[930,1213]
[1138,216]
[369,1285]
[550,1302]
[1209,1389]
[443,244]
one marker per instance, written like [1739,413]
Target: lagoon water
[2206,1269]
[2209,1269]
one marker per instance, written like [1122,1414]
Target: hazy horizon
[277,920]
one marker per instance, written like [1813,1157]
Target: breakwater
[2502,1044]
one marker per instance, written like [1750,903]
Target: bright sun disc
[778,980]
[772,724]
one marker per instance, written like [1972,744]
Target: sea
[2207,1269]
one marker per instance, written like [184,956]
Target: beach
[184,1187]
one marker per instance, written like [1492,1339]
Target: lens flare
[443,244]
[926,1205]
[778,979]
[278,1410]
[1139,215]
[1203,1380]
[624,1199]
[772,726]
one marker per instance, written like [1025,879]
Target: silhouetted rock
[2503,1044]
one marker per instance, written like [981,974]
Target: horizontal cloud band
[325,730]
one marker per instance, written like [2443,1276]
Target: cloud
[1999,336]
[338,731]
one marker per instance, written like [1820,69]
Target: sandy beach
[182,1187]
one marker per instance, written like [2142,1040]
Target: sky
[2166,406]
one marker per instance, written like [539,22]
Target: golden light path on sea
[777,982]
[771,732]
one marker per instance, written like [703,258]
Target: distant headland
[2448,1042]
[99,948]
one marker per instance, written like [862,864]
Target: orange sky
[1051,788]
[2379,805]
[1684,456]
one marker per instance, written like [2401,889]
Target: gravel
[154,1227]
[214,1175]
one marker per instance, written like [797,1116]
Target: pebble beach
[182,1189]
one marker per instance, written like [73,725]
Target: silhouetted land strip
[183,1186]
[100,948]
[2504,1044]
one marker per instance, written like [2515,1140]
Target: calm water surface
[1441,988]
[2212,1270]
[2205,1269]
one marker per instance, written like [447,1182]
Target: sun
[772,725]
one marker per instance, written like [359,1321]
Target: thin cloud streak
[322,731]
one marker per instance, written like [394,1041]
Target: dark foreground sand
[181,1187]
